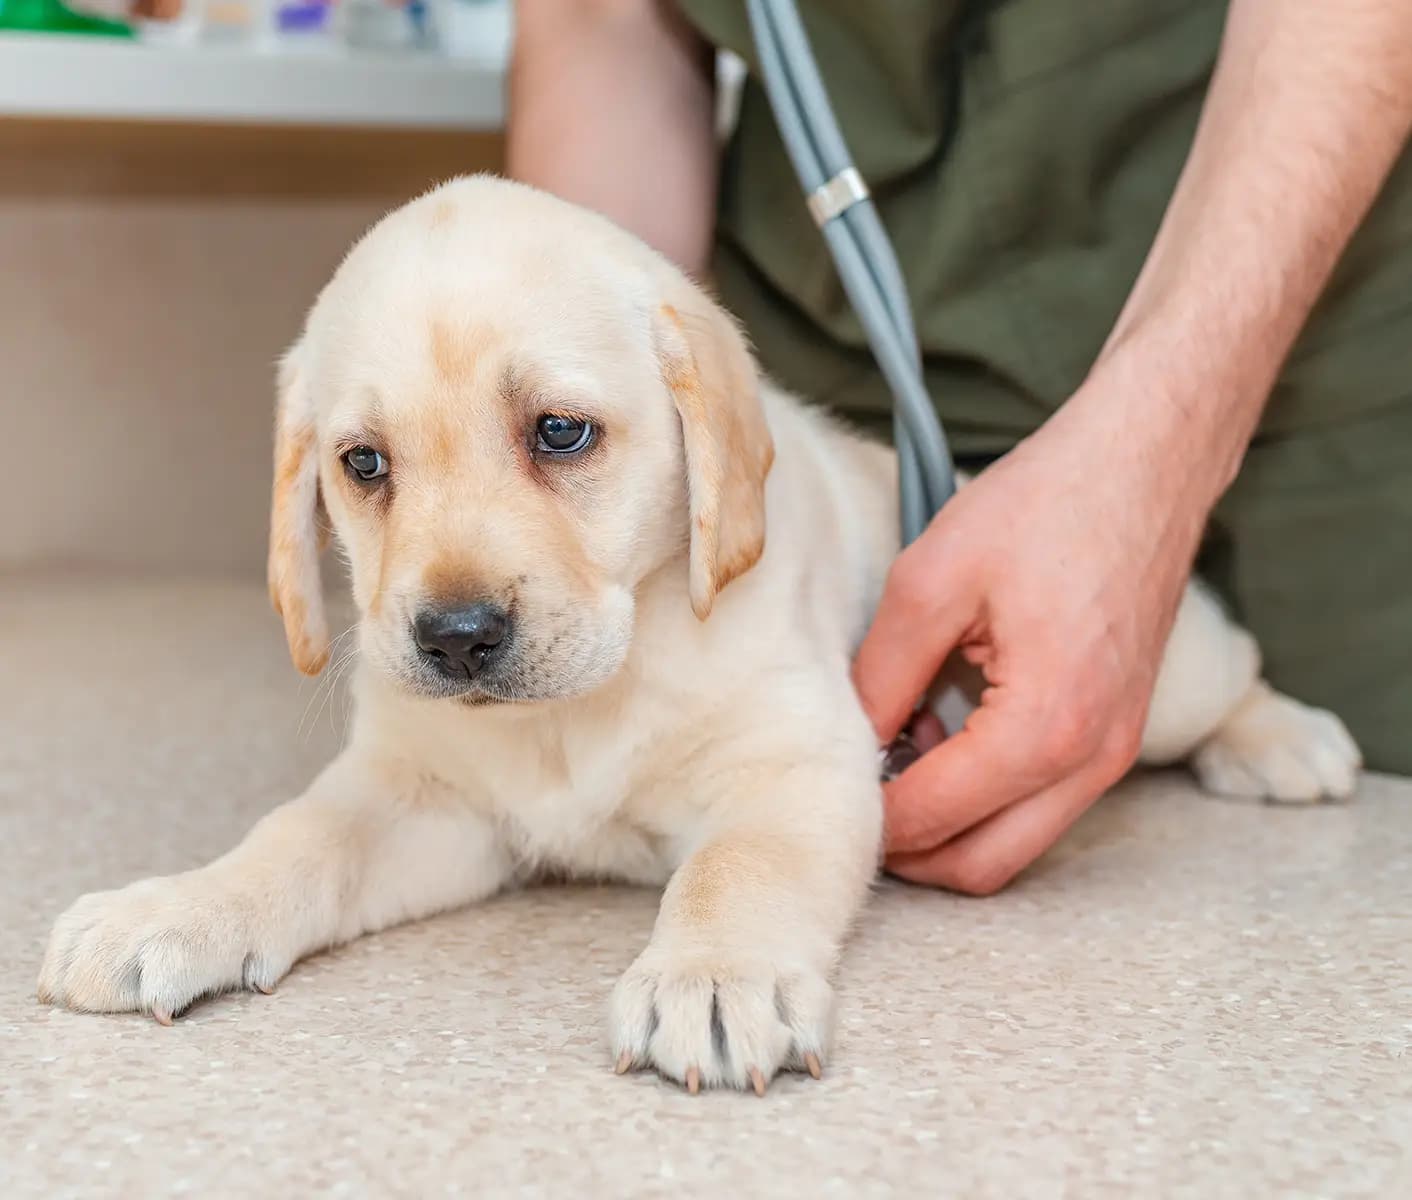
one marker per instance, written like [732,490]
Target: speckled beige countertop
[1193,997]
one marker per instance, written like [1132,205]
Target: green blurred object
[52,16]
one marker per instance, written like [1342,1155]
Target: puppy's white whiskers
[335,677]
[324,688]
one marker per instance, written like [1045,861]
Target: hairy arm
[1061,581]
[612,106]
[1309,108]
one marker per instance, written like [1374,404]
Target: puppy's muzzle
[462,643]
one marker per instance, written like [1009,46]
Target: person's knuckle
[977,873]
[1069,737]
[1119,748]
[907,582]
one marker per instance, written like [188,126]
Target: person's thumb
[926,607]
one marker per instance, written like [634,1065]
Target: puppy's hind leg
[1275,748]
[365,847]
[1240,736]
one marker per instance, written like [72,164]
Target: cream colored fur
[677,709]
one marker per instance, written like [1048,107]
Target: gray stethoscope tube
[838,199]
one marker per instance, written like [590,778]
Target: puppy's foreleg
[734,984]
[368,845]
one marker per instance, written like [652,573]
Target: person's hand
[1057,572]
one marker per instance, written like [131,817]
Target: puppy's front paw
[1278,749]
[720,1020]
[153,947]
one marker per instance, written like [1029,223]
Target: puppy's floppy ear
[295,528]
[715,385]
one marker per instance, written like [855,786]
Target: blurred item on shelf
[387,25]
[53,16]
[474,30]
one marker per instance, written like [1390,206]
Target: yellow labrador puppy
[552,462]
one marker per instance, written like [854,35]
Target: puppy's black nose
[460,641]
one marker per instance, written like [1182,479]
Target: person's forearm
[1309,107]
[612,106]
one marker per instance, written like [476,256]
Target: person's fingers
[986,857]
[918,622]
[998,757]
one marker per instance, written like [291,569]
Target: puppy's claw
[623,1063]
[161,1016]
[757,1080]
[693,1080]
[265,989]
[812,1064]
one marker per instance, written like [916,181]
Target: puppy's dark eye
[366,463]
[559,434]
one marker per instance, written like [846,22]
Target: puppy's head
[513,413]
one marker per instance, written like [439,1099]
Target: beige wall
[149,277]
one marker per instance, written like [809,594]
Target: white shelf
[44,75]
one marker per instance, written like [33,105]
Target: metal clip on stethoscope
[839,202]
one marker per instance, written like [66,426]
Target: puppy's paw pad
[718,1022]
[153,947]
[1278,749]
